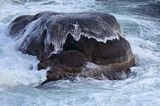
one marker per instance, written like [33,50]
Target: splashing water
[19,75]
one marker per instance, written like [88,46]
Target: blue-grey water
[140,23]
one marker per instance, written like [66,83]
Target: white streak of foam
[24,37]
[91,65]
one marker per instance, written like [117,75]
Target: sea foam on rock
[66,42]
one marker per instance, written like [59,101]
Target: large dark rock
[65,42]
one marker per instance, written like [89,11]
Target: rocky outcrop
[66,42]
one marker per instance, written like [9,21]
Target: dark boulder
[65,42]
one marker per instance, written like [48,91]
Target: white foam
[142,88]
[15,67]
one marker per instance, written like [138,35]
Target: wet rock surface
[65,42]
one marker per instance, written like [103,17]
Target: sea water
[19,76]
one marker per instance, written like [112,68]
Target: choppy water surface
[140,22]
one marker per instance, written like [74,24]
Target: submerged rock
[152,9]
[65,42]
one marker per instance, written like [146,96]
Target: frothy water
[19,76]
